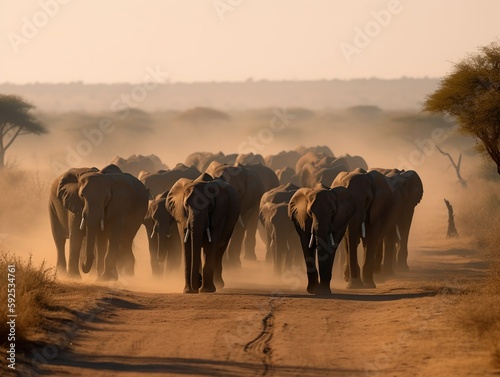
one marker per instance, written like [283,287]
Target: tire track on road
[261,345]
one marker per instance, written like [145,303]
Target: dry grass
[33,291]
[480,310]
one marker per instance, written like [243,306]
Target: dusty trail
[405,327]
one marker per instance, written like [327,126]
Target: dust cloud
[402,139]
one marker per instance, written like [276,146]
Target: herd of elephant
[301,200]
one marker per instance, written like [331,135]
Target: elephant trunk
[91,233]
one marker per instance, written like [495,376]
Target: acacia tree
[471,95]
[16,120]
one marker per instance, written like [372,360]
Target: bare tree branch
[456,166]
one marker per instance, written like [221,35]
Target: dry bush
[480,312]
[34,290]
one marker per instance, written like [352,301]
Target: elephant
[266,175]
[282,241]
[310,175]
[372,194]
[249,159]
[287,175]
[111,207]
[135,163]
[408,190]
[282,160]
[250,189]
[163,238]
[308,158]
[206,211]
[320,216]
[325,150]
[65,224]
[201,160]
[163,180]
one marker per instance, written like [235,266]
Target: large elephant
[282,241]
[111,207]
[249,159]
[373,200]
[163,180]
[206,211]
[282,160]
[287,175]
[310,175]
[201,160]
[164,241]
[408,191]
[321,216]
[250,189]
[65,224]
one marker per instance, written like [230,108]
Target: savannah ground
[413,324]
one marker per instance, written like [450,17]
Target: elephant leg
[75,247]
[186,250]
[325,259]
[310,261]
[111,258]
[353,276]
[404,230]
[127,258]
[250,233]
[234,250]
[102,248]
[208,269]
[153,255]
[388,244]
[373,242]
[264,235]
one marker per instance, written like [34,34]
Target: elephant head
[162,221]
[321,216]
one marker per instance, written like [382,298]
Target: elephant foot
[208,288]
[219,284]
[322,289]
[369,284]
[355,284]
[311,287]
[189,290]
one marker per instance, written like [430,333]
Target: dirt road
[405,327]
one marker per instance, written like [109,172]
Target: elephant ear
[414,186]
[297,208]
[381,196]
[67,189]
[346,206]
[174,202]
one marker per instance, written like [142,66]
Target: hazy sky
[232,40]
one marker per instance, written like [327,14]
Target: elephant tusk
[102,224]
[397,233]
[363,230]
[82,223]
[331,239]
[240,220]
[209,235]
[312,237]
[168,235]
[186,236]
